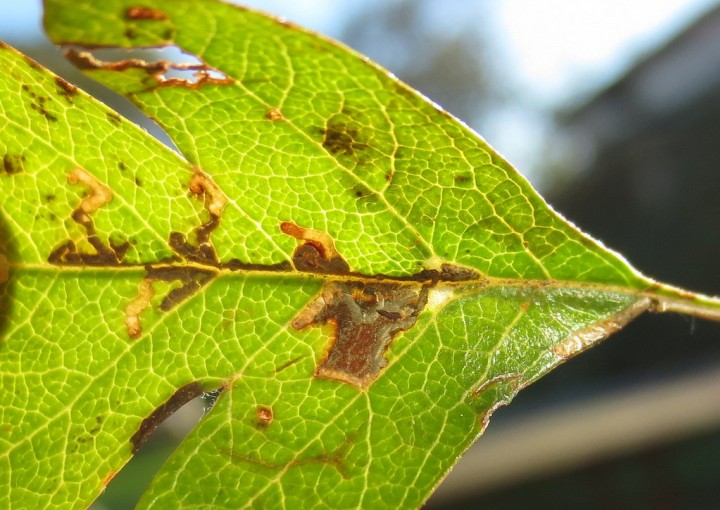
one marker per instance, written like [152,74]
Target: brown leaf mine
[136,306]
[365,318]
[317,254]
[140,12]
[203,188]
[97,195]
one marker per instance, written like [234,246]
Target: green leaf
[362,278]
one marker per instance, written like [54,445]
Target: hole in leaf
[169,65]
[131,482]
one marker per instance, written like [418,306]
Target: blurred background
[612,110]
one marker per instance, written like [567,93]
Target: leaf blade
[475,344]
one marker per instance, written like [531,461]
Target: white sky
[563,47]
[554,48]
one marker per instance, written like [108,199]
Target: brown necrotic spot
[113,118]
[317,254]
[365,318]
[274,114]
[13,163]
[359,191]
[263,417]
[140,12]
[159,415]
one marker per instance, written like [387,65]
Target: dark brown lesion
[192,279]
[13,164]
[159,415]
[66,89]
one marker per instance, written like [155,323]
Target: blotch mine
[340,138]
[365,318]
[159,415]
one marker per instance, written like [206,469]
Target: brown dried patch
[67,90]
[98,195]
[136,306]
[263,417]
[274,114]
[365,318]
[13,164]
[159,415]
[317,254]
[140,12]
